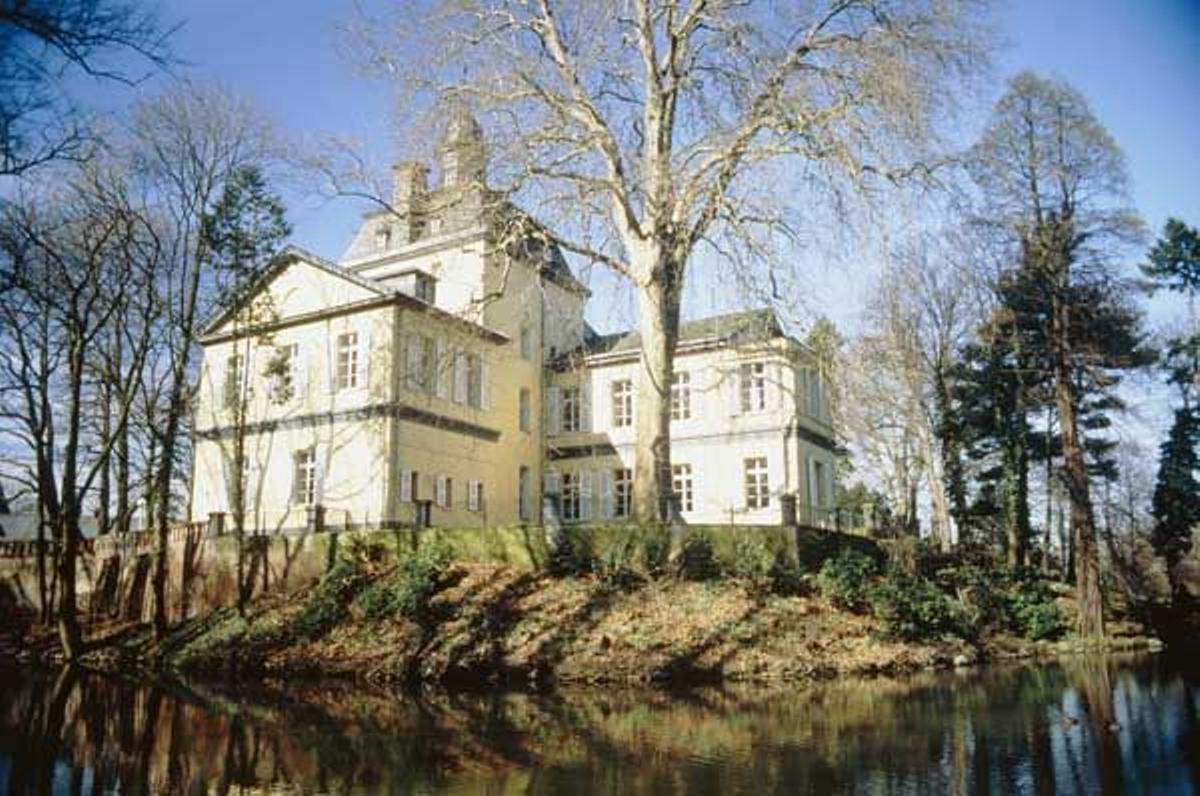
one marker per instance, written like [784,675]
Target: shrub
[752,560]
[571,556]
[914,608]
[786,577]
[326,605]
[656,552]
[614,569]
[845,579]
[697,561]
[408,590]
[1029,606]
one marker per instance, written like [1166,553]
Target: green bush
[914,608]
[787,579]
[697,559]
[572,557]
[656,552]
[614,569]
[326,605]
[845,579]
[408,590]
[752,560]
[1030,609]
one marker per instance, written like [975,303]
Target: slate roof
[735,327]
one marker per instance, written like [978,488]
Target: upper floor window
[475,378]
[383,237]
[758,490]
[681,396]
[622,403]
[681,485]
[572,410]
[425,288]
[526,342]
[754,386]
[622,492]
[420,365]
[304,477]
[814,393]
[234,373]
[285,373]
[523,409]
[347,361]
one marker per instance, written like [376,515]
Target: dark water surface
[1083,726]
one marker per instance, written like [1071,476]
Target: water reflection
[1084,726]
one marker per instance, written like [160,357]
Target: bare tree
[43,42]
[1052,186]
[645,131]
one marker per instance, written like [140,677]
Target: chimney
[409,186]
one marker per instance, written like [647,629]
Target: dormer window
[383,237]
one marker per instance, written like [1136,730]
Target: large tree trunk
[68,618]
[950,437]
[162,508]
[1075,476]
[652,486]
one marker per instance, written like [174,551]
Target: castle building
[442,374]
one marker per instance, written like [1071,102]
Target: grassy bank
[627,614]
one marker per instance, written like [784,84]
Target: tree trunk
[652,485]
[68,618]
[162,520]
[951,453]
[122,463]
[1075,476]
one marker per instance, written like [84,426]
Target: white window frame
[756,483]
[475,496]
[622,403]
[348,366]
[681,395]
[571,497]
[622,507]
[683,486]
[304,477]
[571,407]
[752,378]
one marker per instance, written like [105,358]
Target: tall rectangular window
[754,386]
[681,396]
[425,288]
[571,402]
[523,493]
[475,496]
[304,477]
[285,373]
[681,485]
[475,381]
[758,489]
[526,342]
[622,403]
[234,365]
[622,492]
[570,496]
[347,360]
[523,409]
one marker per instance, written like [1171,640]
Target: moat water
[1111,725]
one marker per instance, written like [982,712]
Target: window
[420,365]
[444,491]
[475,381]
[754,386]
[285,373]
[523,493]
[408,486]
[474,496]
[304,478]
[571,502]
[526,342]
[681,396]
[819,498]
[461,384]
[814,393]
[622,403]
[523,410]
[681,485]
[425,288]
[571,404]
[622,492]
[758,491]
[233,380]
[347,361]
[383,237]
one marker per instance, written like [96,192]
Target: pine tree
[1176,505]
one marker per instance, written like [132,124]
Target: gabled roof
[288,255]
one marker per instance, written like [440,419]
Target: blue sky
[1137,62]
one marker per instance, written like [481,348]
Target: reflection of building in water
[443,373]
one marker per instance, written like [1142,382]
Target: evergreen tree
[1176,504]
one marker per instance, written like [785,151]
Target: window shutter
[585,402]
[299,374]
[330,361]
[412,363]
[406,494]
[552,484]
[473,491]
[319,491]
[606,494]
[441,369]
[553,412]
[830,499]
[585,494]
[364,358]
[781,389]
[440,491]
[485,387]
[812,486]
[460,377]
[733,396]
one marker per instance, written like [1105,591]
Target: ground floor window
[622,492]
[475,496]
[681,485]
[571,503]
[758,491]
[304,479]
